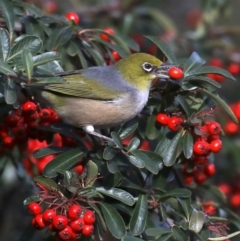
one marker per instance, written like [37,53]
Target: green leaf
[177,192]
[82,59]
[113,220]
[7,11]
[187,145]
[117,139]
[92,173]
[201,81]
[117,194]
[5,44]
[99,215]
[160,180]
[139,216]
[186,206]
[34,198]
[196,221]
[63,162]
[137,162]
[46,182]
[152,132]
[45,58]
[222,104]
[210,70]
[33,43]
[127,130]
[162,145]
[58,37]
[45,151]
[178,234]
[109,153]
[30,8]
[194,61]
[171,152]
[164,48]
[130,238]
[10,93]
[112,166]
[133,145]
[159,231]
[130,43]
[182,101]
[6,69]
[27,62]
[98,58]
[164,237]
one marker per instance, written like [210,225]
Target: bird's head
[140,70]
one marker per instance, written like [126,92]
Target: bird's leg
[90,130]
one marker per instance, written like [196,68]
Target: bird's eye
[147,67]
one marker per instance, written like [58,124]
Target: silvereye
[102,96]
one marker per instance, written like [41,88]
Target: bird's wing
[76,85]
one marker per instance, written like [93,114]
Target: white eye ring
[147,67]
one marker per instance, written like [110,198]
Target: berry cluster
[74,222]
[197,168]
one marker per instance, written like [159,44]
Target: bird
[101,96]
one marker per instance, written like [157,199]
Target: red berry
[60,222]
[209,169]
[188,179]
[162,119]
[116,55]
[48,216]
[216,146]
[209,208]
[104,36]
[87,230]
[20,132]
[200,177]
[216,62]
[45,114]
[38,223]
[78,169]
[174,123]
[66,233]
[72,16]
[34,208]
[54,118]
[235,200]
[68,141]
[74,212]
[216,77]
[214,128]
[199,160]
[89,217]
[29,107]
[231,128]
[224,188]
[234,68]
[77,225]
[51,7]
[175,73]
[201,148]
[11,120]
[8,142]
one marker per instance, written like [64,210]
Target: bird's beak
[162,71]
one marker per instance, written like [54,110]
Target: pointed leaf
[210,70]
[152,132]
[201,81]
[82,59]
[187,145]
[118,194]
[99,215]
[194,61]
[45,151]
[46,182]
[171,152]
[34,198]
[7,11]
[5,44]
[113,220]
[137,162]
[133,145]
[6,69]
[196,221]
[30,7]
[63,162]
[222,104]
[159,231]
[186,206]
[153,162]
[177,192]
[126,131]
[139,216]
[92,173]
[45,58]
[182,101]
[179,234]
[33,43]
[164,48]
[117,139]
[27,62]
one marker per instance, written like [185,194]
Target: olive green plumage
[101,96]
